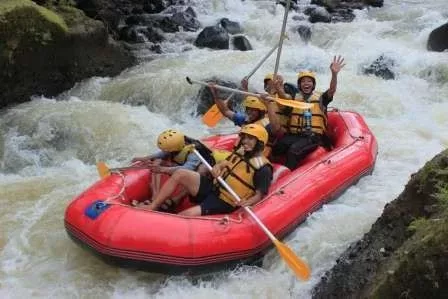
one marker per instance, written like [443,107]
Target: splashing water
[49,147]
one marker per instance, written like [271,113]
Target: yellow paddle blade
[212,116]
[103,170]
[300,268]
[294,104]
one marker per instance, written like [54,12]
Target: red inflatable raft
[102,219]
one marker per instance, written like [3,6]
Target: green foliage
[442,188]
[417,224]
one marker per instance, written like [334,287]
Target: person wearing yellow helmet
[246,171]
[176,152]
[255,110]
[298,131]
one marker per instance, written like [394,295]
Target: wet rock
[292,5]
[213,37]
[240,42]
[329,4]
[438,39]
[342,11]
[230,26]
[46,52]
[153,6]
[320,15]
[411,260]
[186,20]
[374,3]
[205,99]
[381,67]
[304,32]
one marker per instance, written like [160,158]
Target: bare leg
[155,184]
[190,180]
[193,211]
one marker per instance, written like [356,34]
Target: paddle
[299,267]
[214,115]
[104,170]
[280,43]
[290,103]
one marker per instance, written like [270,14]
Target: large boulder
[240,42]
[213,37]
[382,67]
[44,52]
[438,39]
[205,98]
[405,254]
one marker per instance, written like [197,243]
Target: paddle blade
[103,170]
[300,268]
[294,104]
[212,116]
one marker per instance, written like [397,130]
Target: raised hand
[212,88]
[337,64]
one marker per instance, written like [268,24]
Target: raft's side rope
[111,201]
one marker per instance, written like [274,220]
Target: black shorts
[208,199]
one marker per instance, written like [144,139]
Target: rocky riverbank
[405,254]
[46,46]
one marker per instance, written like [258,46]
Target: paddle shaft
[280,43]
[264,58]
[191,81]
[230,190]
[259,64]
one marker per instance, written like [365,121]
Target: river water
[48,147]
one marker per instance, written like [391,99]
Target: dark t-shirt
[326,99]
[263,179]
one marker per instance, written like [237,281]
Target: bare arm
[245,84]
[335,67]
[252,200]
[274,119]
[279,88]
[222,105]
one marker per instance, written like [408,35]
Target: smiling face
[248,142]
[306,85]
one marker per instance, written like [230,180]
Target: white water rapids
[48,148]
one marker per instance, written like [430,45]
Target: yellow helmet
[254,103]
[269,76]
[171,141]
[258,131]
[310,74]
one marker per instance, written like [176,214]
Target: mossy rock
[24,24]
[46,50]
[405,254]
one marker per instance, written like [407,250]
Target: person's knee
[180,174]
[202,170]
